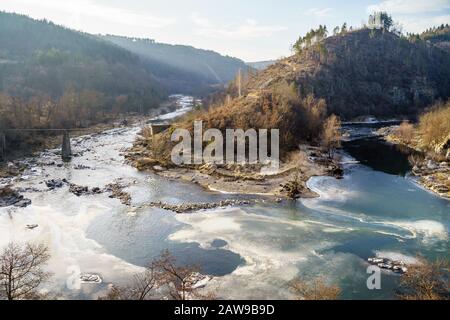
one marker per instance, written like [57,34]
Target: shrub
[316,289]
[434,126]
[405,132]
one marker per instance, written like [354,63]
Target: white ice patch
[329,191]
[396,256]
[269,265]
[430,230]
[62,229]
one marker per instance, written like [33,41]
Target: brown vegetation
[405,132]
[295,187]
[298,119]
[21,271]
[142,288]
[331,135]
[164,274]
[434,128]
[363,72]
[316,289]
[426,281]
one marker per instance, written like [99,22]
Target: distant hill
[181,68]
[39,58]
[261,65]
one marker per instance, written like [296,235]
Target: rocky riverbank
[13,164]
[193,207]
[288,182]
[432,169]
[10,197]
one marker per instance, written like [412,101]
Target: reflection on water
[380,155]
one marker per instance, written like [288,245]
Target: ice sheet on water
[272,247]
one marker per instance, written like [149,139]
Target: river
[251,252]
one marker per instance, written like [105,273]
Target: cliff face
[364,73]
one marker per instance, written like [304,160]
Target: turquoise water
[264,246]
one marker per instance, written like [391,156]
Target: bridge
[66,149]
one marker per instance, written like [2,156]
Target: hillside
[364,72]
[39,58]
[361,73]
[181,68]
[439,36]
[357,73]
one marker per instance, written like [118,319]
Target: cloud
[250,28]
[420,24]
[410,7]
[318,12]
[69,12]
[415,16]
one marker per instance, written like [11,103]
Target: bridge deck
[57,130]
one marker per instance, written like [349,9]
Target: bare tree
[294,187]
[142,288]
[426,281]
[21,271]
[331,135]
[181,281]
[316,289]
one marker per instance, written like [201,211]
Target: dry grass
[316,289]
[405,132]
[298,119]
[146,132]
[426,281]
[434,126]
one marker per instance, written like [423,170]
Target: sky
[253,30]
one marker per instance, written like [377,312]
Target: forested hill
[350,74]
[261,65]
[438,36]
[183,68]
[363,72]
[39,58]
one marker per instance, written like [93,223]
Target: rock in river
[10,197]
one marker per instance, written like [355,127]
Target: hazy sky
[248,29]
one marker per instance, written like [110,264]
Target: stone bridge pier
[2,146]
[66,149]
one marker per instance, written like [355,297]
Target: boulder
[10,197]
[55,183]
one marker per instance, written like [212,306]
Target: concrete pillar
[66,151]
[2,146]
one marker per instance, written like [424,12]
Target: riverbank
[432,170]
[287,182]
[13,165]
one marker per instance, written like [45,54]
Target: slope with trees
[363,72]
[54,77]
[39,58]
[183,69]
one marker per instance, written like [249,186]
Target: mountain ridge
[45,59]
[364,72]
[206,68]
